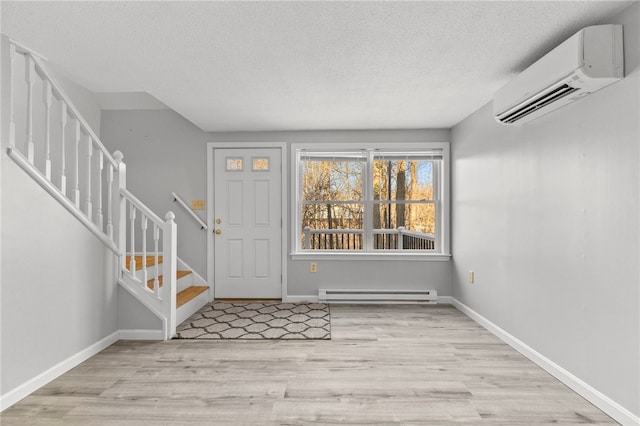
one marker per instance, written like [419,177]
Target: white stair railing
[52,173]
[158,282]
[64,156]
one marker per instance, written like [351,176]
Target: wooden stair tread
[189,293]
[151,261]
[179,274]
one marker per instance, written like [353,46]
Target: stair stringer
[145,297]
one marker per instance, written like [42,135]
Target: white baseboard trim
[141,335]
[300,299]
[445,300]
[597,398]
[27,388]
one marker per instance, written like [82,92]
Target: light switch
[197,204]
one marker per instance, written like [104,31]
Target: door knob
[218,231]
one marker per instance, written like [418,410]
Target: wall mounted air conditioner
[588,61]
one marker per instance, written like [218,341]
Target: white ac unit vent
[588,61]
[377,296]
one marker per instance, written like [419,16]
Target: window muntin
[369,201]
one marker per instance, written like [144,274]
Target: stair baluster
[47,128]
[76,159]
[8,53]
[143,226]
[87,202]
[120,209]
[156,278]
[63,159]
[99,214]
[132,241]
[29,77]
[116,171]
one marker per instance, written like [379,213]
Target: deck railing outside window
[351,239]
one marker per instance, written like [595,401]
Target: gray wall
[165,153]
[81,98]
[547,215]
[58,290]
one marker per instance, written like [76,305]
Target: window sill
[421,257]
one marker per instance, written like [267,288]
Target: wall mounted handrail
[189,210]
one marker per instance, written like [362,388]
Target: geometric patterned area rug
[258,320]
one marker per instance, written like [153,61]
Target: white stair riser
[151,272]
[191,307]
[184,282]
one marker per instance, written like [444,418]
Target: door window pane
[260,164]
[234,164]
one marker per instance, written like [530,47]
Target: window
[372,201]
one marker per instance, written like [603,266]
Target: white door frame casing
[211,147]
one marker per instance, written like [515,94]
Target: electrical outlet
[197,204]
[472,277]
[313,267]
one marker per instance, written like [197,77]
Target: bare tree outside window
[333,200]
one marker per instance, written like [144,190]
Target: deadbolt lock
[218,221]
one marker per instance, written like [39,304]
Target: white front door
[247,223]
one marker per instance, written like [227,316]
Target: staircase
[191,290]
[61,152]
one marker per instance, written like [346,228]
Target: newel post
[120,209]
[169,271]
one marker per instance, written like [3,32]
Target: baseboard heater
[377,296]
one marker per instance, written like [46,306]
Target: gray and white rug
[258,320]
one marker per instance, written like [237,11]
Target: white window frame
[442,219]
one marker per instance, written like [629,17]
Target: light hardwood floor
[386,364]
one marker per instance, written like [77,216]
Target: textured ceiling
[230,66]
